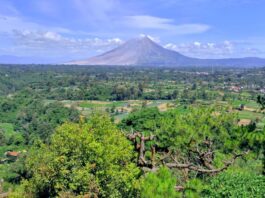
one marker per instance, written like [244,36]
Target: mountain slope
[144,52]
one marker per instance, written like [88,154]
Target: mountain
[145,52]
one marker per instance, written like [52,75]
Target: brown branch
[149,138]
[140,148]
[176,165]
[153,152]
[179,188]
[146,169]
[205,157]
[167,155]
[133,136]
[202,170]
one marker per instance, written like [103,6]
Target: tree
[2,138]
[140,89]
[145,120]
[236,184]
[93,159]
[175,94]
[261,101]
[144,104]
[202,141]
[159,184]
[194,86]
[38,120]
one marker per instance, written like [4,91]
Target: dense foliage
[93,159]
[261,101]
[122,83]
[159,184]
[131,132]
[39,120]
[236,184]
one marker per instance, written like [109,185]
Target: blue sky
[73,29]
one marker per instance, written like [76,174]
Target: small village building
[12,156]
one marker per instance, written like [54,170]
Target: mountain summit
[139,51]
[145,52]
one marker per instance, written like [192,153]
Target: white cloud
[196,43]
[225,49]
[152,22]
[52,43]
[27,37]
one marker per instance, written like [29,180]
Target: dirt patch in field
[67,105]
[249,109]
[221,93]
[124,109]
[99,102]
[148,90]
[244,122]
[80,108]
[216,113]
[137,103]
[163,107]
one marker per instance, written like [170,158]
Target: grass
[261,124]
[182,109]
[236,103]
[102,105]
[252,104]
[7,128]
[119,117]
[249,115]
[155,103]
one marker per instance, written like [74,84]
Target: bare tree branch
[202,170]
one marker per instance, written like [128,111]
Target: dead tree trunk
[140,147]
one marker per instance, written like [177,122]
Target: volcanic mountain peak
[142,42]
[143,51]
[137,51]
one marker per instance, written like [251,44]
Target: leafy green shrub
[159,184]
[236,184]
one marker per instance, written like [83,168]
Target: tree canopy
[93,159]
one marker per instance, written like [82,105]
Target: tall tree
[93,159]
[261,101]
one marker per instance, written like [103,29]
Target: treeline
[123,83]
[33,117]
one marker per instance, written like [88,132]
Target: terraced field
[120,109]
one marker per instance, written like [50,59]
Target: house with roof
[11,156]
